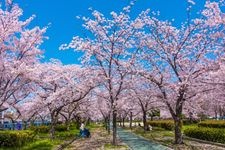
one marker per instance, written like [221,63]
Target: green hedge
[189,122]
[40,129]
[208,134]
[61,127]
[15,138]
[166,124]
[66,135]
[46,129]
[212,123]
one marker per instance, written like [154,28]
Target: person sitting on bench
[85,133]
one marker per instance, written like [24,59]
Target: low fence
[19,125]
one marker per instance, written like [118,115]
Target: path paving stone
[138,143]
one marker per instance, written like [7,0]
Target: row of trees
[153,61]
[130,66]
[31,90]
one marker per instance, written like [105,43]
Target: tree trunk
[220,112]
[52,130]
[177,117]
[106,123]
[67,125]
[131,115]
[13,124]
[114,127]
[78,122]
[87,122]
[42,120]
[145,122]
[120,122]
[178,133]
[52,127]
[25,125]
[215,114]
[123,122]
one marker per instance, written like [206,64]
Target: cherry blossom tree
[215,98]
[123,113]
[72,112]
[174,58]
[102,103]
[58,86]
[108,49]
[145,97]
[19,50]
[30,110]
[214,103]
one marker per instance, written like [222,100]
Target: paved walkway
[137,143]
[99,137]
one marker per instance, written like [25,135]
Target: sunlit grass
[45,144]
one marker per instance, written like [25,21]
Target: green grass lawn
[43,144]
[160,135]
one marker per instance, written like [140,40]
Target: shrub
[15,138]
[66,135]
[188,121]
[46,129]
[166,124]
[61,127]
[212,123]
[208,134]
[40,129]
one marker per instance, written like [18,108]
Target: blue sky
[64,25]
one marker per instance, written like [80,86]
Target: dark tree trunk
[220,112]
[177,117]
[25,125]
[42,120]
[67,125]
[108,124]
[191,117]
[178,124]
[131,118]
[114,127]
[151,118]
[123,122]
[120,121]
[215,114]
[13,124]
[145,121]
[54,120]
[78,122]
[178,133]
[67,121]
[88,121]
[52,129]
